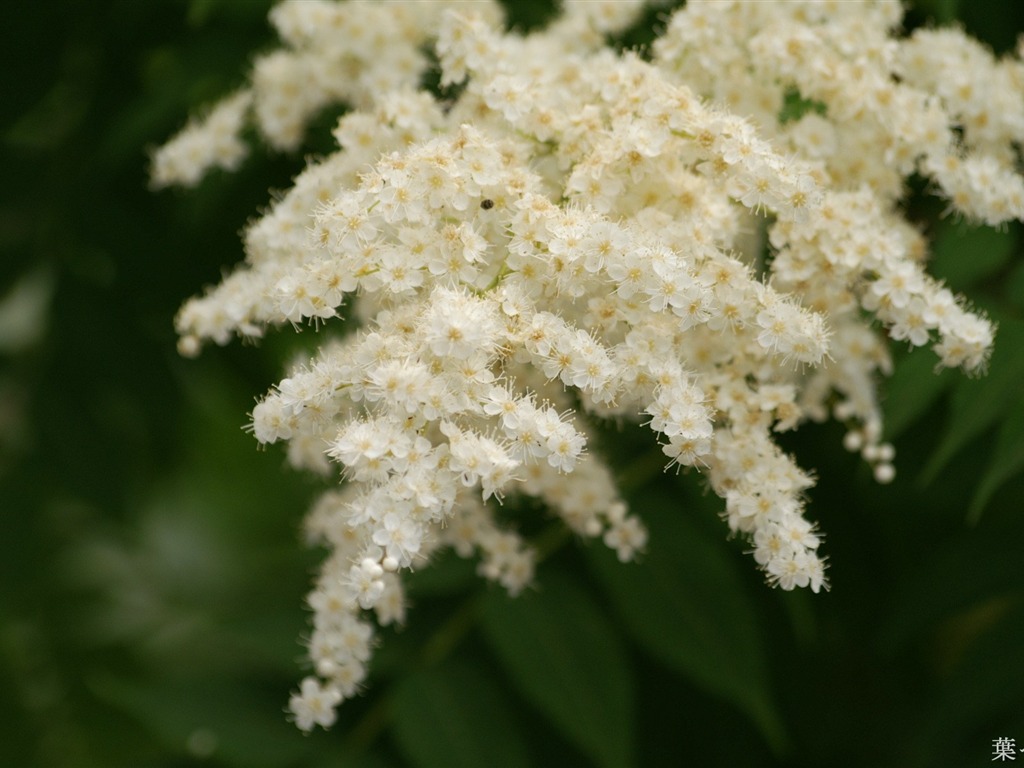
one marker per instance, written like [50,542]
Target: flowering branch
[581,233]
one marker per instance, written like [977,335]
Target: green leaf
[330,758]
[560,650]
[938,583]
[1014,286]
[964,255]
[684,604]
[457,716]
[913,388]
[208,718]
[982,693]
[1006,461]
[978,403]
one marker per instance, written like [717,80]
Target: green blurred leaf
[981,695]
[965,255]
[913,388]
[561,651]
[978,403]
[457,716]
[61,111]
[1006,461]
[685,604]
[207,718]
[938,583]
[331,759]
[1014,286]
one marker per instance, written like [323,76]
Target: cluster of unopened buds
[707,241]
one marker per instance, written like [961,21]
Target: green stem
[503,272]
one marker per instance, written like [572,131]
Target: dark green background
[152,571]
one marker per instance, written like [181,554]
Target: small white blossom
[314,704]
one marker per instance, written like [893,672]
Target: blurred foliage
[153,571]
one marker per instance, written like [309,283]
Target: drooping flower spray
[572,234]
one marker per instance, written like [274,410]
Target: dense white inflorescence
[574,233]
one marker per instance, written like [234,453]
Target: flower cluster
[707,242]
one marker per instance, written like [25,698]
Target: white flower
[400,537]
[211,142]
[314,704]
[458,325]
[365,579]
[626,537]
